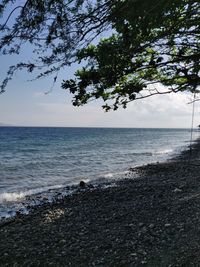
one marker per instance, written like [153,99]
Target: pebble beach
[151,220]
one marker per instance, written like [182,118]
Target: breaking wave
[16,196]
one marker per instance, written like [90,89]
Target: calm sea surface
[33,160]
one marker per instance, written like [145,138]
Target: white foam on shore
[16,196]
[164,151]
[114,174]
[153,153]
[109,175]
[13,202]
[8,197]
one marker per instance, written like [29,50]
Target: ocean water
[34,161]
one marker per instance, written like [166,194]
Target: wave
[164,151]
[16,196]
[8,197]
[108,175]
[111,175]
[157,152]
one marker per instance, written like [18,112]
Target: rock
[82,184]
[18,213]
[167,224]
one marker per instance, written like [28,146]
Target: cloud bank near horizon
[166,111]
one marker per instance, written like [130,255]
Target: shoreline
[24,201]
[149,221]
[29,182]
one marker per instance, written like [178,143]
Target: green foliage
[150,42]
[155,42]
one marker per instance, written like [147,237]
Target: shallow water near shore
[38,163]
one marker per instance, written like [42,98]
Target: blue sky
[25,103]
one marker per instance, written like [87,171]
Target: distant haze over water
[34,159]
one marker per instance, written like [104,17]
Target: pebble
[143,262]
[151,225]
[141,224]
[62,241]
[177,190]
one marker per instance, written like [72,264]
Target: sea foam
[164,151]
[8,197]
[16,196]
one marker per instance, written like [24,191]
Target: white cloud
[37,109]
[159,111]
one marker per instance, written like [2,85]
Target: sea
[39,163]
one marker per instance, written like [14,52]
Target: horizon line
[97,127]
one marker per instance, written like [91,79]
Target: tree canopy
[149,42]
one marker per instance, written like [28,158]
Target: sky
[25,104]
